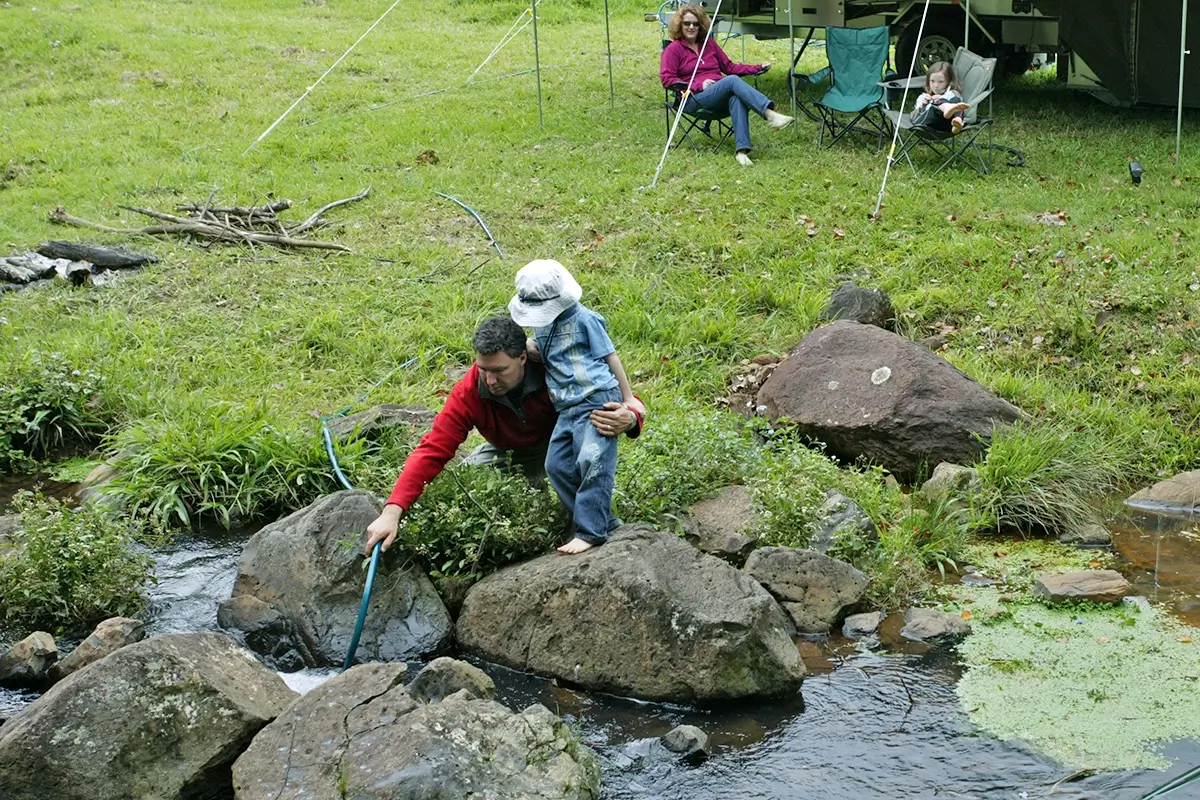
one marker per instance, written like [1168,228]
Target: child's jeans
[581,465]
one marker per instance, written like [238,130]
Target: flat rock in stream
[299,587]
[1094,585]
[1179,492]
[922,624]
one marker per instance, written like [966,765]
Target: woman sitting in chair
[717,85]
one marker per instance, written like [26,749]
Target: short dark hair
[499,333]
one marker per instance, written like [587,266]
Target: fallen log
[94,254]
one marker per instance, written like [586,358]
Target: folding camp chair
[976,74]
[857,58]
[699,121]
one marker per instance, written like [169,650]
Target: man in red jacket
[504,397]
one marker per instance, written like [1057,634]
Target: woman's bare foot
[575,546]
[956,125]
[950,109]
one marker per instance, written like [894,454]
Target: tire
[943,35]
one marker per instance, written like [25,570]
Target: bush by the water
[471,521]
[45,404]
[68,569]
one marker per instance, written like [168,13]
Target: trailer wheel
[943,35]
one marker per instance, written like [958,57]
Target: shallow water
[877,719]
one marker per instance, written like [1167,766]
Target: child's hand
[531,350]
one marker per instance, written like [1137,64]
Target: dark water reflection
[881,725]
[1162,557]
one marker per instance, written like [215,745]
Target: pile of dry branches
[250,225]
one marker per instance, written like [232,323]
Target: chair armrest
[814,78]
[677,86]
[917,82]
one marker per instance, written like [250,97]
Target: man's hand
[707,84]
[384,527]
[614,419]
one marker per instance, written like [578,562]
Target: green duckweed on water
[1091,686]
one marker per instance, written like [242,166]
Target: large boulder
[362,735]
[867,393]
[816,591]
[305,577]
[1179,493]
[29,661]
[109,636]
[645,615]
[163,718]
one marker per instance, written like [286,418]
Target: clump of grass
[919,539]
[66,569]
[223,462]
[1043,477]
[46,404]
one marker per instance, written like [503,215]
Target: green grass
[214,360]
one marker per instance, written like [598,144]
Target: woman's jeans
[582,465]
[734,95]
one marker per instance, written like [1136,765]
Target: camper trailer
[1124,51]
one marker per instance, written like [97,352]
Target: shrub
[473,520]
[789,483]
[68,569]
[221,461]
[1043,477]
[45,405]
[685,455]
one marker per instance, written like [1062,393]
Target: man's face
[501,372]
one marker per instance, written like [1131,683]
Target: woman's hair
[675,27]
[947,69]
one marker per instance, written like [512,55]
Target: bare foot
[574,546]
[956,125]
[950,109]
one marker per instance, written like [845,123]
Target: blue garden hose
[342,479]
[362,610]
[478,219]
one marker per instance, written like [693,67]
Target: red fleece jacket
[467,407]
[678,61]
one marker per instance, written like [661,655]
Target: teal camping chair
[976,75]
[857,58]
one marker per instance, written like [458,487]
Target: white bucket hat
[544,290]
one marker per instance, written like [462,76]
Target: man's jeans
[734,95]
[582,465]
[531,461]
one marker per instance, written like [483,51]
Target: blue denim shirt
[573,348]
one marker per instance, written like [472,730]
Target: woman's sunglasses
[691,24]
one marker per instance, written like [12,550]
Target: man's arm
[615,418]
[451,427]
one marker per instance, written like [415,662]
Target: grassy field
[1090,323]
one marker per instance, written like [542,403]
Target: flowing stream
[877,718]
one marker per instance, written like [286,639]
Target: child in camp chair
[941,105]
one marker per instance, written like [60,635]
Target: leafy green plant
[685,454]
[44,405]
[471,521]
[66,569]
[1044,477]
